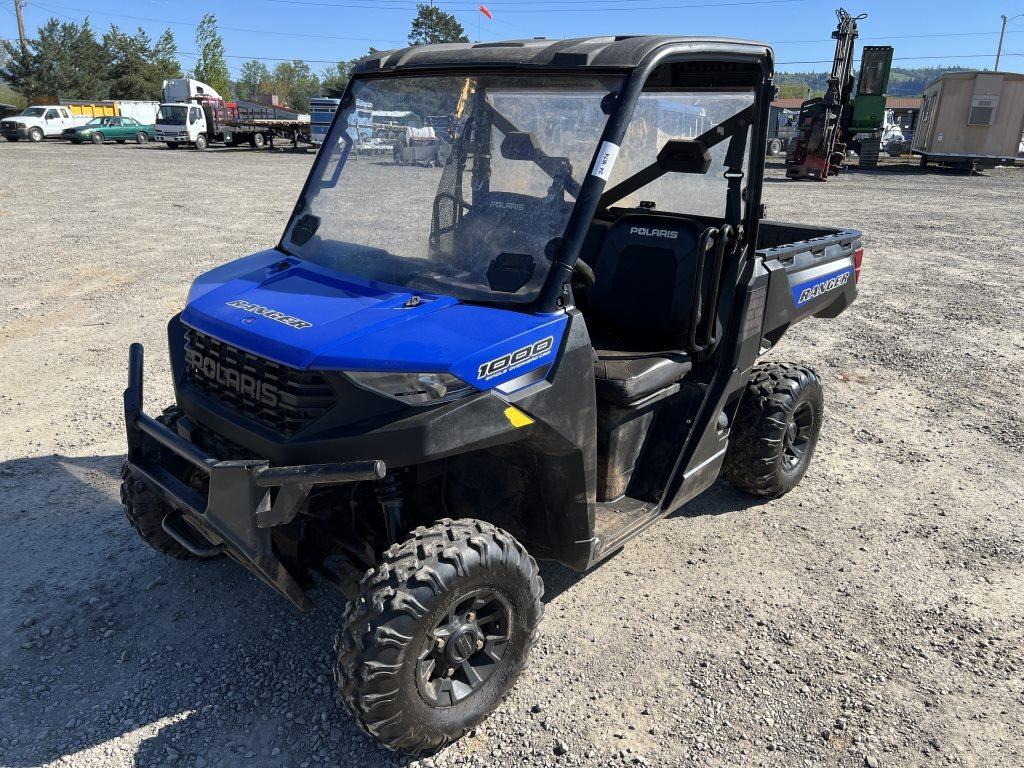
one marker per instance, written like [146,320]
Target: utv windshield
[461,185]
[171,115]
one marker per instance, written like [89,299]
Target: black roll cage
[592,188]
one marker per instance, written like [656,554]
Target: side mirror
[684,156]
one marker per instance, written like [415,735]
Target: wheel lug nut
[479,644]
[440,642]
[471,616]
[449,672]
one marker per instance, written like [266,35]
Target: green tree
[87,63]
[253,80]
[295,83]
[212,65]
[64,60]
[165,57]
[793,91]
[18,69]
[432,25]
[334,80]
[133,72]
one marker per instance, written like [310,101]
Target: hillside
[904,81]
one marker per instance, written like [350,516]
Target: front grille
[278,397]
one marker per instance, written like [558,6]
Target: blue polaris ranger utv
[536,350]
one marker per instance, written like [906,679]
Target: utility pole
[21,25]
[998,51]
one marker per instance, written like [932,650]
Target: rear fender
[812,278]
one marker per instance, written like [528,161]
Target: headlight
[413,388]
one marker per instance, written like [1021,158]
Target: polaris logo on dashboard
[517,359]
[244,384]
[669,234]
[271,314]
[507,205]
[806,292]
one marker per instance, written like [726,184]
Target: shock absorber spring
[391,497]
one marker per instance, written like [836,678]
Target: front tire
[201,142]
[775,430]
[97,138]
[36,135]
[171,144]
[145,512]
[439,633]
[11,138]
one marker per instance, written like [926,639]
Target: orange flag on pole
[486,12]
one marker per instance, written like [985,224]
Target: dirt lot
[872,617]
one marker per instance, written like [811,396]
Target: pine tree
[212,66]
[18,69]
[432,25]
[88,63]
[165,57]
[133,71]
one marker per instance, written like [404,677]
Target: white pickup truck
[38,123]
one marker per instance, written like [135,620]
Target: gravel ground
[874,616]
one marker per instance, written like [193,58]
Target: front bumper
[14,131]
[246,498]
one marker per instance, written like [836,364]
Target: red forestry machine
[819,148]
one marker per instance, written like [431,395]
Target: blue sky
[937,32]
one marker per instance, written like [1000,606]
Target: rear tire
[775,430]
[775,147]
[141,137]
[417,613]
[257,141]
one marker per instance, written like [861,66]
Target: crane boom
[818,149]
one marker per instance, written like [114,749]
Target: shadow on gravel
[115,650]
[720,499]
[115,653]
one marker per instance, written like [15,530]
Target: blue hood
[304,316]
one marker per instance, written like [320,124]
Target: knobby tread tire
[145,510]
[753,461]
[377,648]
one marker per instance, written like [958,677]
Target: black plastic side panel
[712,422]
[566,440]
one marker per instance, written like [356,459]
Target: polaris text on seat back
[533,351]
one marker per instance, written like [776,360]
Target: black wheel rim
[464,648]
[797,437]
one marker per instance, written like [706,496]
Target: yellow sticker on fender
[517,418]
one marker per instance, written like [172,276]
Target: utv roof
[581,53]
